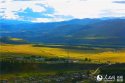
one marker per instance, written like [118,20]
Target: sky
[60,10]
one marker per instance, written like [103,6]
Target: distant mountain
[5,21]
[77,31]
[13,25]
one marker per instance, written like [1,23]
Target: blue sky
[60,10]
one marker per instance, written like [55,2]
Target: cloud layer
[59,10]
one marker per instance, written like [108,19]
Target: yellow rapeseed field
[59,52]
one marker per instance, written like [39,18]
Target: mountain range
[76,31]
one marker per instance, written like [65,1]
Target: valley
[73,51]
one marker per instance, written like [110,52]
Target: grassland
[29,70]
[96,54]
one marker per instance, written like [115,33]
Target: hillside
[9,40]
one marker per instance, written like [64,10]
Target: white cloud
[41,20]
[74,8]
[54,19]
[84,9]
[12,7]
